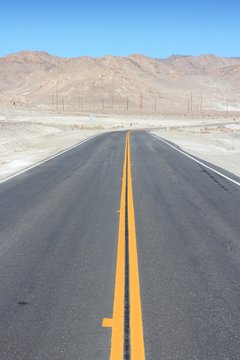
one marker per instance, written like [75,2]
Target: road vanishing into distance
[120,248]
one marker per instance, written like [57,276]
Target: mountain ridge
[34,78]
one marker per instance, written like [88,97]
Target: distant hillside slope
[135,83]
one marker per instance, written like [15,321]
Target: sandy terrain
[28,137]
[218,144]
[25,140]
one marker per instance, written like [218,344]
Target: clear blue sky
[96,28]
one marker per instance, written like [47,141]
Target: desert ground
[28,137]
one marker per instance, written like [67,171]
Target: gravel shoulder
[217,144]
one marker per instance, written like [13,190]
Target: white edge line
[47,159]
[197,161]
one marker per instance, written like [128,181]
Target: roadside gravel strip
[194,159]
[47,159]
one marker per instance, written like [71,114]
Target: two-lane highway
[61,227]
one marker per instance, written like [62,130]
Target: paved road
[58,252]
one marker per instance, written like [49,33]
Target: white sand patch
[233,126]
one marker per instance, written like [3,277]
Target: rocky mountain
[135,83]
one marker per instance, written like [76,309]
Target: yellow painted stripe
[136,324]
[117,322]
[117,341]
[107,322]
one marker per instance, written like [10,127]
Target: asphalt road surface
[60,243]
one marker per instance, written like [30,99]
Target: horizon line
[117,56]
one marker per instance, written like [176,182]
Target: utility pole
[201,102]
[141,101]
[155,103]
[57,97]
[112,101]
[191,102]
[52,100]
[113,86]
[188,106]
[103,105]
[63,104]
[127,102]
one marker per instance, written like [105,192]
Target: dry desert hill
[133,84]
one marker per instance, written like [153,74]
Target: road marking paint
[197,161]
[136,325]
[117,341]
[47,159]
[107,322]
[126,237]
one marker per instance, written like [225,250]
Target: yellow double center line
[118,322]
